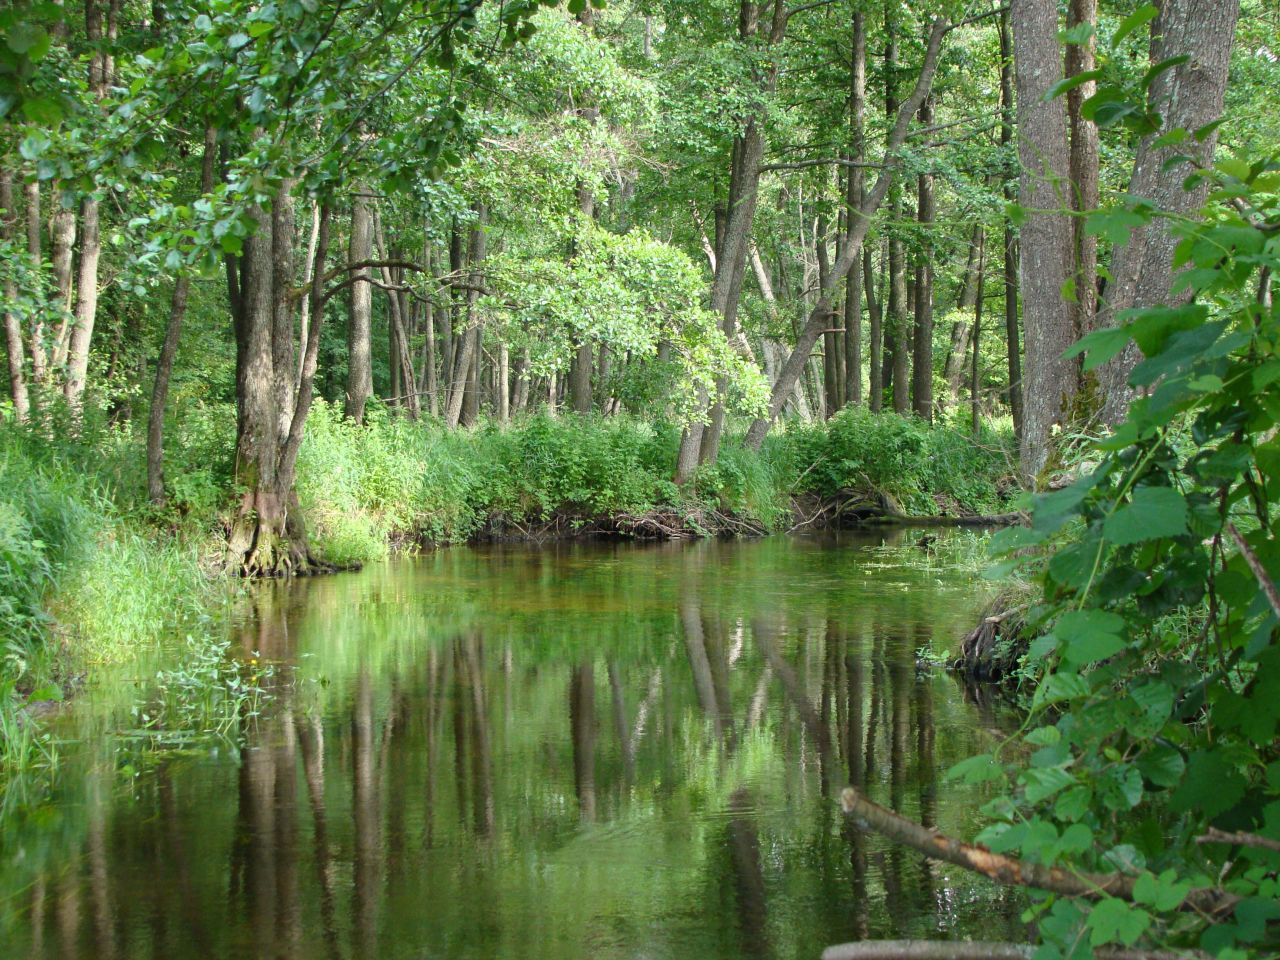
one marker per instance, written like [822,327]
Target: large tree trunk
[359,316]
[1012,338]
[1046,261]
[169,348]
[1189,97]
[922,359]
[12,326]
[268,536]
[853,241]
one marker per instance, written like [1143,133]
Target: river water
[574,751]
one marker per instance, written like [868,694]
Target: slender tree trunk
[1046,261]
[475,323]
[304,321]
[169,348]
[1189,97]
[359,316]
[1011,328]
[468,339]
[975,385]
[875,333]
[38,348]
[830,354]
[922,360]
[97,23]
[853,204]
[962,332]
[12,325]
[853,241]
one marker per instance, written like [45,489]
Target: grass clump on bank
[80,583]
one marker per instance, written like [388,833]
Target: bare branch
[1259,571]
[1007,870]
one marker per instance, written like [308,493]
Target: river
[582,750]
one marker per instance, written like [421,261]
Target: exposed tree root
[268,539]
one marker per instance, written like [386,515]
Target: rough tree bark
[1190,96]
[268,537]
[852,246]
[1045,262]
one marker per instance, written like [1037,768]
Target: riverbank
[91,572]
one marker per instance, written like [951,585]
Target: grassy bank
[90,572]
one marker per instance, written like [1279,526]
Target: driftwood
[1008,870]
[980,950]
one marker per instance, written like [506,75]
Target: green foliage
[1155,720]
[905,459]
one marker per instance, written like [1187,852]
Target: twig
[1264,579]
[1214,835]
[1007,870]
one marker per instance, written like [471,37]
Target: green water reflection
[569,752]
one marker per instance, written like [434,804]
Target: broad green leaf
[1152,513]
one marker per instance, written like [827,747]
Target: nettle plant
[1152,775]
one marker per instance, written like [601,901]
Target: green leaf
[1070,83]
[1144,14]
[1162,766]
[1152,513]
[1162,892]
[1114,921]
[1155,70]
[1043,783]
[1101,346]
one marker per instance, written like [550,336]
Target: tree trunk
[359,315]
[12,325]
[1046,260]
[169,349]
[852,246]
[744,184]
[875,333]
[922,360]
[853,204]
[975,392]
[1012,339]
[1189,97]
[962,332]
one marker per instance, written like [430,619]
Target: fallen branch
[979,950]
[1008,870]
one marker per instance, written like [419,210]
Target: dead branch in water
[1008,870]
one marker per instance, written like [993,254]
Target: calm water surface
[578,751]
